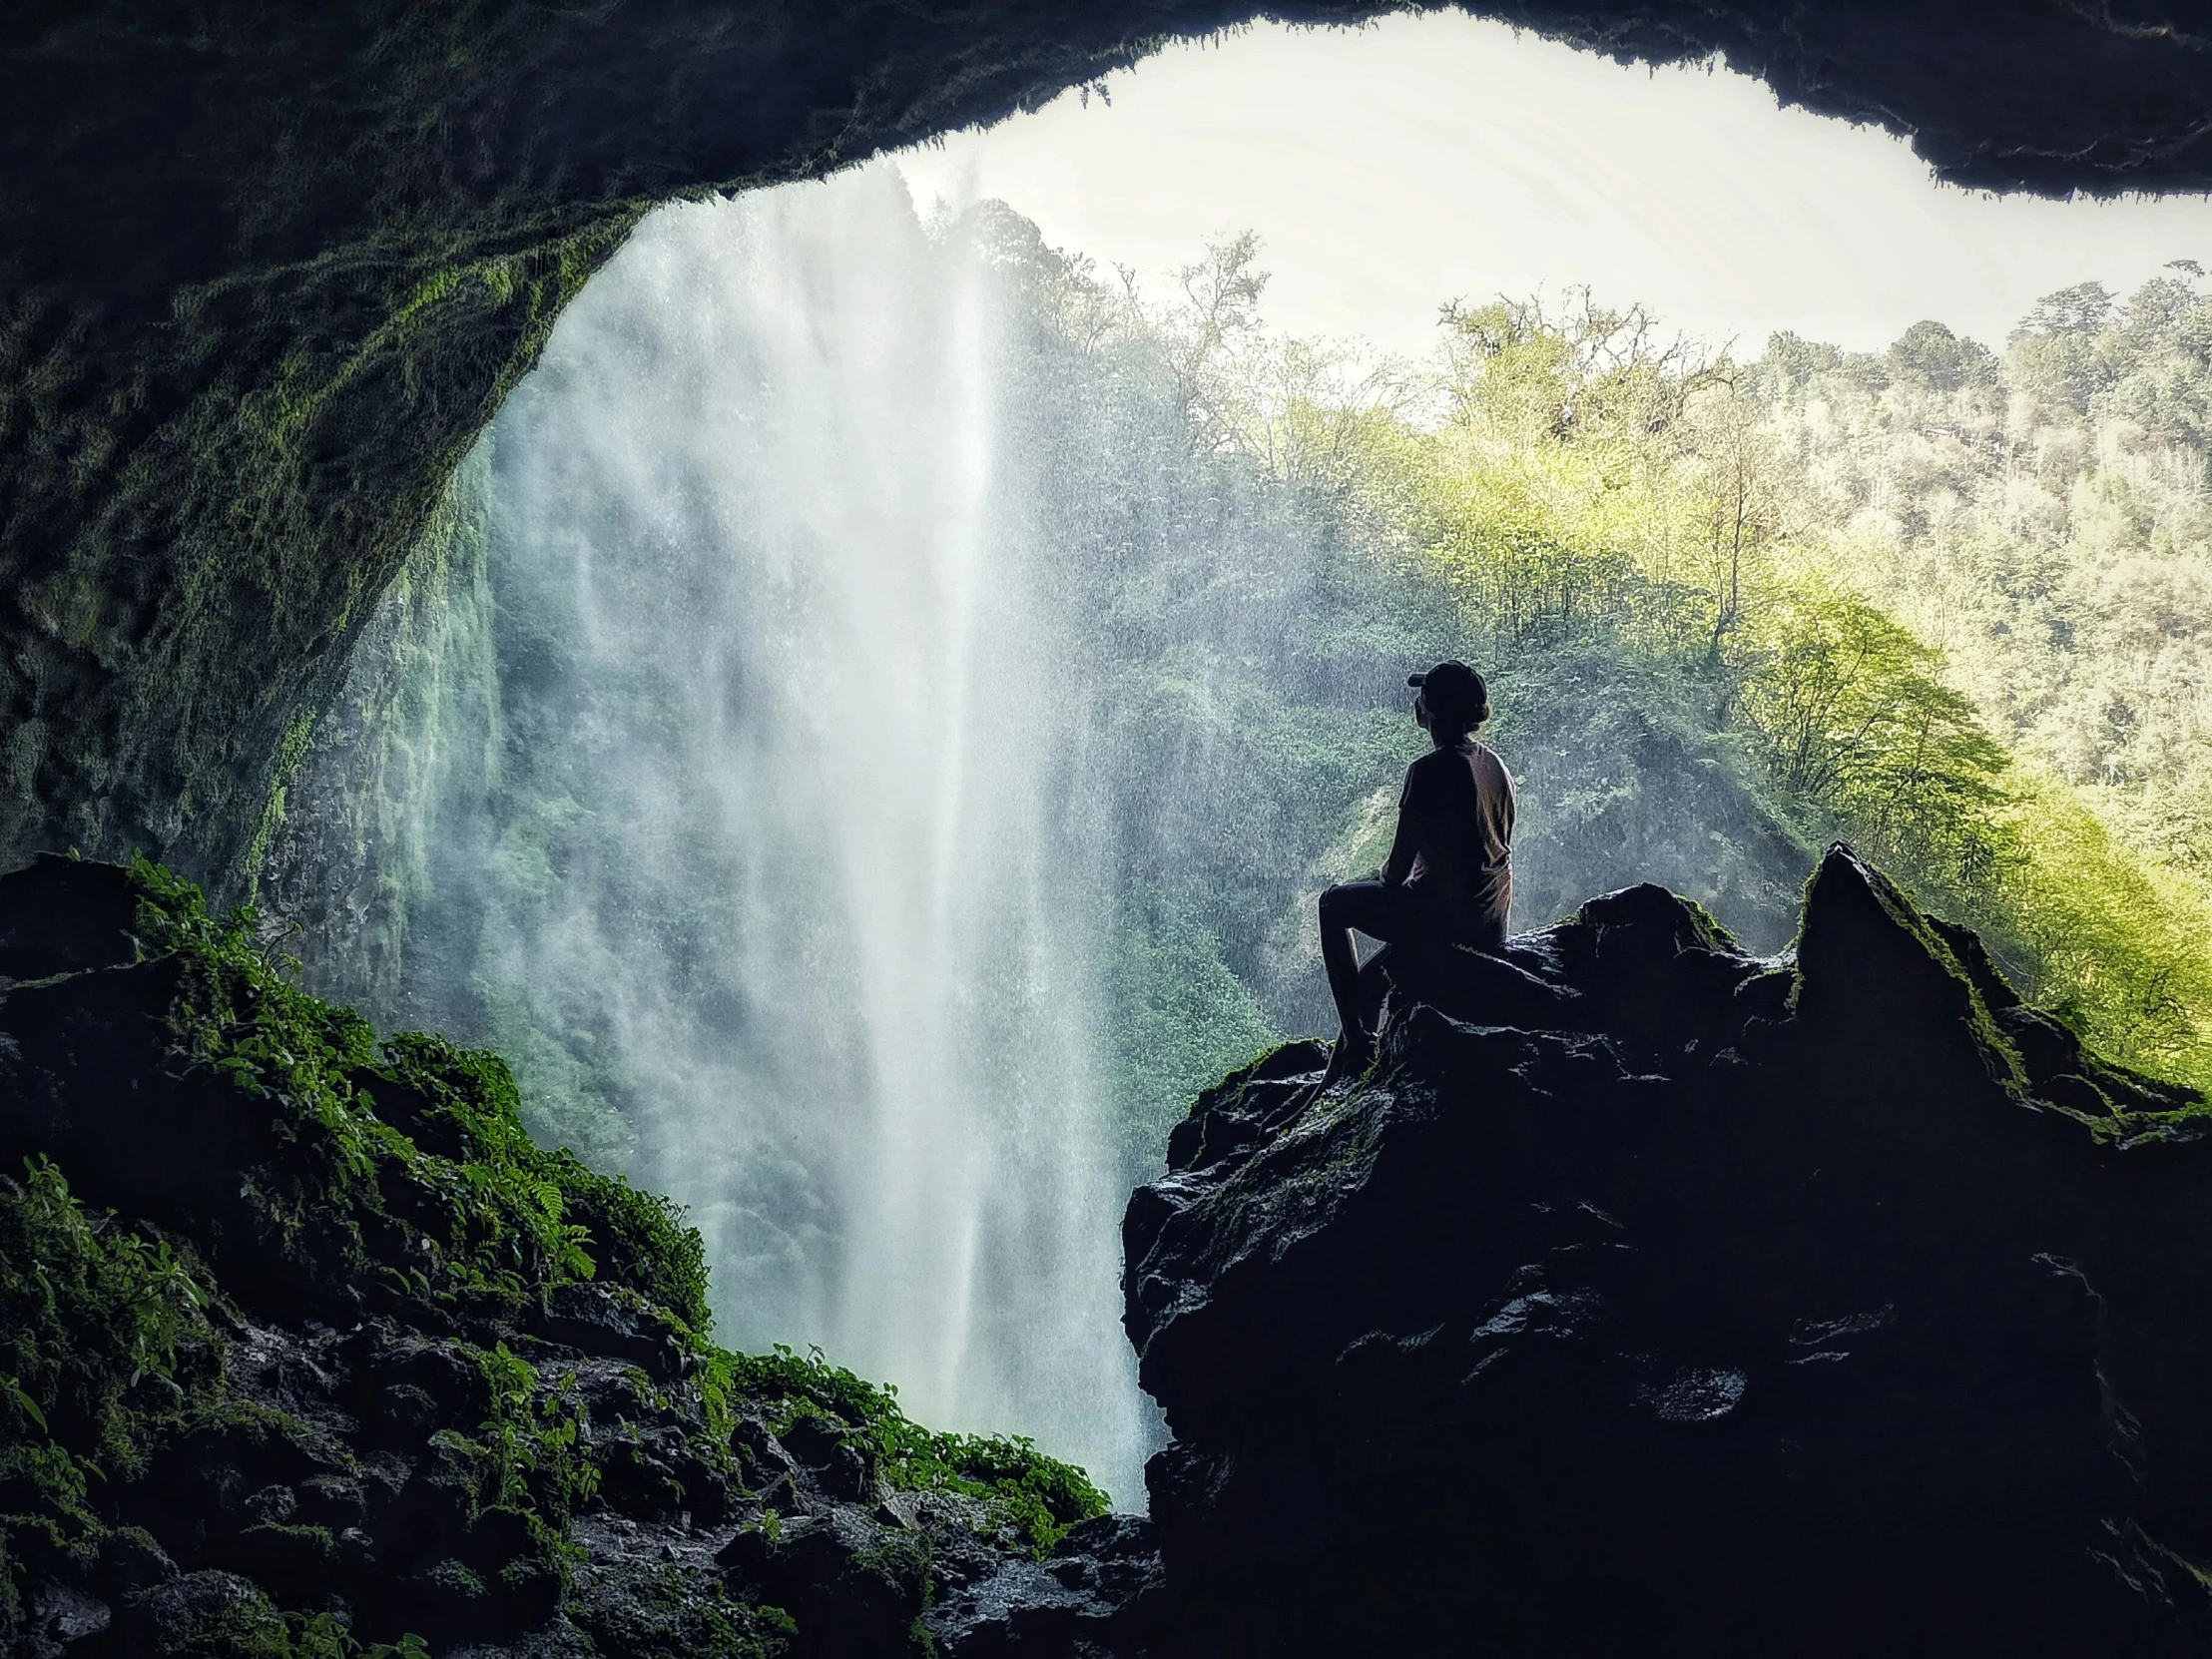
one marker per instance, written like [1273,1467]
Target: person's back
[1459,812]
[1450,878]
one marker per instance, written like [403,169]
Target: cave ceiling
[265,270]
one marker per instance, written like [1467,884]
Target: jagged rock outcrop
[305,1349]
[1650,1297]
[265,274]
[1644,1297]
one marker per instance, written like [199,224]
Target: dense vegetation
[1951,607]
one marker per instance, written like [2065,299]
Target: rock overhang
[264,278]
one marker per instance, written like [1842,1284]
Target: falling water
[866,750]
[774,858]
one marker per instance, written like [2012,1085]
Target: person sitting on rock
[1450,878]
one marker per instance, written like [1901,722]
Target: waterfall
[777,882]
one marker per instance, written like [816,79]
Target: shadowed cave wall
[265,271]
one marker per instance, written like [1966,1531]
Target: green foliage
[2118,941]
[1027,1494]
[1730,611]
[408,1152]
[1754,618]
[530,1454]
[106,1347]
[674,1616]
[1183,1017]
[1858,733]
[404,1165]
[112,1345]
[636,1240]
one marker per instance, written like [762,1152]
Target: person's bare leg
[1353,904]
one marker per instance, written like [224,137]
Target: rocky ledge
[1644,1297]
[1650,1297]
[307,1350]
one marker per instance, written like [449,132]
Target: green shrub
[1034,1497]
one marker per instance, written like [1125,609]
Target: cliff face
[306,1350]
[1647,1298]
[264,276]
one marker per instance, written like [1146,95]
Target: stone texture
[347,1421]
[1828,1304]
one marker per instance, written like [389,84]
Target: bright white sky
[1422,159]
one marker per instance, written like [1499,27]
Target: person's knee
[1344,904]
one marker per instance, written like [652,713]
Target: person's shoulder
[1436,764]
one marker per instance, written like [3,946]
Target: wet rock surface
[1647,1297]
[278,1379]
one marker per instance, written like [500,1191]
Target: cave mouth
[805,739]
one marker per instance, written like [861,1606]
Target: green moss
[110,1354]
[248,1627]
[376,1154]
[409,1151]
[289,755]
[675,1615]
[1034,1497]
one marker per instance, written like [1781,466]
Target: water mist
[772,858]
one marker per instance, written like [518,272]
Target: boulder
[1828,1303]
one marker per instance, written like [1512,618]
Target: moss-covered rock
[305,1346]
[1649,1297]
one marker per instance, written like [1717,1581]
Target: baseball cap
[1455,687]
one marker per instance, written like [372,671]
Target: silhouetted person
[1450,879]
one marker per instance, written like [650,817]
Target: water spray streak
[768,860]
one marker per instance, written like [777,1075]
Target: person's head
[1451,700]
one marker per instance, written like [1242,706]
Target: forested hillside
[1953,607]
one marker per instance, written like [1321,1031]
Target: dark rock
[1822,1303]
[382,1397]
[62,1617]
[509,1589]
[129,1561]
[638,1479]
[64,915]
[649,1592]
[595,1320]
[836,1457]
[1753,1308]
[85,1079]
[1092,1596]
[1245,1110]
[199,1613]
[855,1586]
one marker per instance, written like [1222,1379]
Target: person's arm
[1407,843]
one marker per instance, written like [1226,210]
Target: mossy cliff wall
[265,271]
